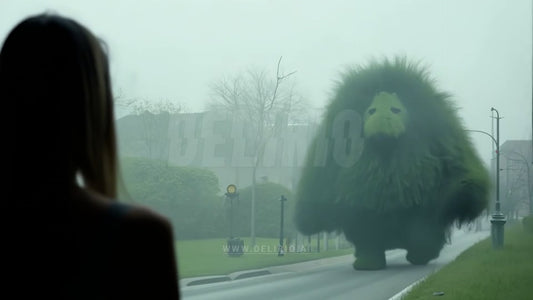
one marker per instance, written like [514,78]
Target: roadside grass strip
[484,273]
[209,257]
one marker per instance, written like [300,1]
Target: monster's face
[385,117]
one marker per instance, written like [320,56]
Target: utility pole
[498,219]
[281,252]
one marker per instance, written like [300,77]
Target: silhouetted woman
[66,235]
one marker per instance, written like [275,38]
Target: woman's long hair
[54,79]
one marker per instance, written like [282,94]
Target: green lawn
[484,273]
[208,257]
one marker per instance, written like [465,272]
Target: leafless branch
[278,81]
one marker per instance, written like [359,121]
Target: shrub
[267,210]
[187,196]
[528,223]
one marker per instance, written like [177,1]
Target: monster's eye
[371,111]
[395,110]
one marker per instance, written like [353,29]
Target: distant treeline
[190,197]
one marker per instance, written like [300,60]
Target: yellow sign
[231,189]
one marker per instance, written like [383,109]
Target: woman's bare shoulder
[146,265]
[128,214]
[140,215]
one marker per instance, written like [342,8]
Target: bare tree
[155,117]
[264,104]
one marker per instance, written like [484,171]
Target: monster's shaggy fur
[400,193]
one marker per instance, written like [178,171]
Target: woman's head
[54,77]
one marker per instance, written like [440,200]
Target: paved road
[334,278]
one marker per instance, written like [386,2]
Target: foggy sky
[479,51]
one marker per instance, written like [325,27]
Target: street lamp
[235,245]
[231,193]
[282,200]
[498,218]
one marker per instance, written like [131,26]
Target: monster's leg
[369,257]
[424,243]
[369,251]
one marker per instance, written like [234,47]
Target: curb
[406,290]
[223,278]
[203,280]
[248,274]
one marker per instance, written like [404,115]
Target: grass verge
[484,273]
[208,257]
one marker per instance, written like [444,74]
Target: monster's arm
[468,188]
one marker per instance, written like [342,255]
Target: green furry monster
[392,166]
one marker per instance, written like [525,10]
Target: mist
[479,51]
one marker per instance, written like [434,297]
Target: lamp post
[282,199]
[235,245]
[231,193]
[498,219]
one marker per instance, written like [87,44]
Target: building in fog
[218,142]
[516,178]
